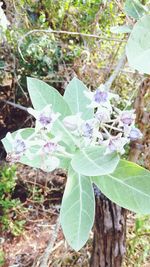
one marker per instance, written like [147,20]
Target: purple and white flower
[101,97]
[90,132]
[50,147]
[87,129]
[45,118]
[103,114]
[127,118]
[18,146]
[116,144]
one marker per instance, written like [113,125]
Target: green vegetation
[8,205]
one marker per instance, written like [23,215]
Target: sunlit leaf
[42,94]
[128,186]
[135,9]
[92,161]
[76,99]
[77,210]
[138,46]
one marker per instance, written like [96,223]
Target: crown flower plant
[86,134]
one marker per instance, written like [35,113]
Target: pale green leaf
[42,94]
[92,161]
[64,162]
[76,99]
[128,186]
[77,210]
[135,9]
[138,46]
[59,129]
[121,29]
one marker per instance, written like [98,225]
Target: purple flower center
[87,130]
[19,146]
[50,147]
[45,120]
[100,96]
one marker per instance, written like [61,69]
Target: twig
[14,105]
[64,32]
[50,246]
[116,71]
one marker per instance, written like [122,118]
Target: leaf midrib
[127,185]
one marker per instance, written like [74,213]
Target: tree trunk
[109,234]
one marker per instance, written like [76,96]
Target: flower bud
[135,134]
[72,122]
[127,117]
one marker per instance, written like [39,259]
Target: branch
[64,32]
[49,248]
[116,71]
[14,105]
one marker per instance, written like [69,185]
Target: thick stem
[109,234]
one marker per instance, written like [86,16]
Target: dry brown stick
[49,248]
[14,105]
[116,71]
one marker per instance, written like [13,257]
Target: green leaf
[36,162]
[121,29]
[67,137]
[138,46]
[128,186]
[42,94]
[77,210]
[135,9]
[76,99]
[64,162]
[92,161]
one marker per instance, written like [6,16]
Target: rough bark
[140,148]
[109,234]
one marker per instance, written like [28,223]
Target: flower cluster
[39,143]
[109,127]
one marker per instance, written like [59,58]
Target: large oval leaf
[77,210]
[76,99]
[128,186]
[138,46]
[42,94]
[92,161]
[134,9]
